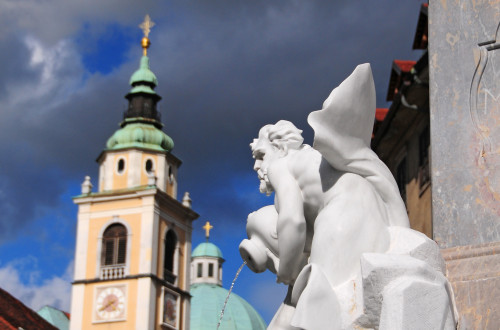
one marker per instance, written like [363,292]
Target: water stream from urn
[229,293]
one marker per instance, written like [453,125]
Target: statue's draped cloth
[343,131]
[342,134]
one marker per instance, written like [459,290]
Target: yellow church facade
[132,257]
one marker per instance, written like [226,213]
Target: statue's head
[274,141]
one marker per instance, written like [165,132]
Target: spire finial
[146,28]
[207,228]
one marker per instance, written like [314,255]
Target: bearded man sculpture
[338,233]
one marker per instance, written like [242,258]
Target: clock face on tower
[110,303]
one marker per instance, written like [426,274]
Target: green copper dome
[206,303]
[55,317]
[144,75]
[140,135]
[207,249]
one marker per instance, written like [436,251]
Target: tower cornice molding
[143,191]
[133,277]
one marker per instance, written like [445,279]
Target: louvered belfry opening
[114,245]
[168,262]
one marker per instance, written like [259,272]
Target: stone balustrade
[112,272]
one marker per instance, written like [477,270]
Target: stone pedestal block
[474,273]
[401,292]
[416,304]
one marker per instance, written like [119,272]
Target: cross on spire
[207,228]
[146,28]
[147,25]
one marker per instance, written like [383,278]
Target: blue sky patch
[109,50]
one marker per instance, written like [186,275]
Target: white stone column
[77,303]
[146,306]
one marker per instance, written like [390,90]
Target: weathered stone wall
[464,61]
[465,121]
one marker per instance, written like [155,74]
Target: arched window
[120,166]
[149,166]
[114,245]
[200,270]
[170,174]
[169,268]
[211,270]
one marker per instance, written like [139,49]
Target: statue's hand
[274,259]
[285,279]
[285,276]
[276,262]
[289,275]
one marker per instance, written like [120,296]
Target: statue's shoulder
[352,190]
[353,182]
[304,159]
[305,153]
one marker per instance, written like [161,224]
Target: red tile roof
[404,66]
[380,113]
[4,325]
[400,70]
[14,314]
[420,40]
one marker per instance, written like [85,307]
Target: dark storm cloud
[13,70]
[225,69]
[231,70]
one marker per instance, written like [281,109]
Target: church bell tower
[133,244]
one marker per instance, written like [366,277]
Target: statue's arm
[291,225]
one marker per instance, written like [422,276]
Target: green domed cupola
[142,99]
[138,155]
[141,125]
[143,76]
[208,295]
[206,303]
[207,249]
[207,261]
[140,135]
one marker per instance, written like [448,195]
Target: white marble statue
[337,233]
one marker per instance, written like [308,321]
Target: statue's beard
[265,186]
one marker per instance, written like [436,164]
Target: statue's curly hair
[283,135]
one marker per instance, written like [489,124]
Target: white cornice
[113,196]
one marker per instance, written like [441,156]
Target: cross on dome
[207,228]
